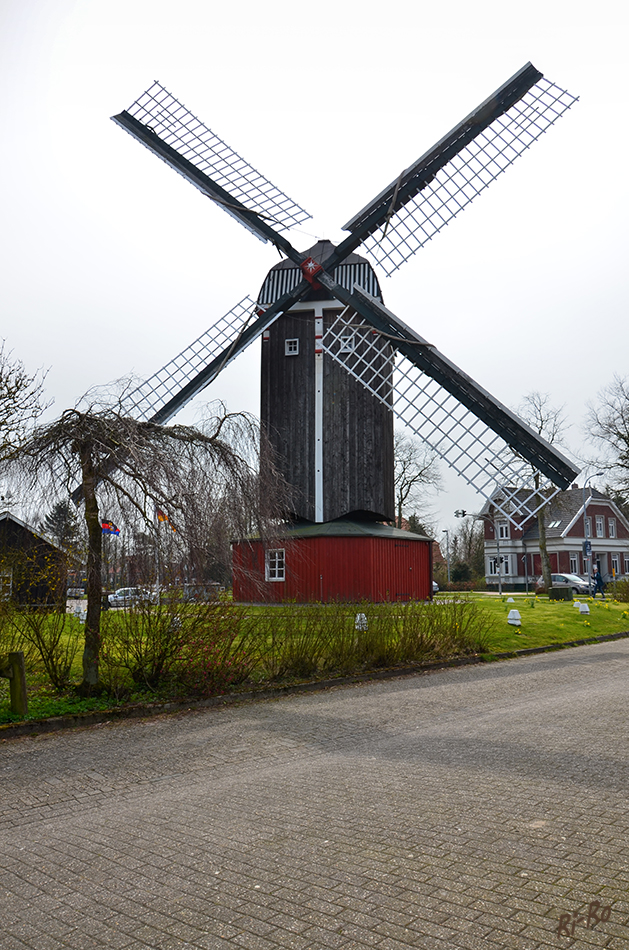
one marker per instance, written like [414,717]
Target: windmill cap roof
[286,275]
[319,252]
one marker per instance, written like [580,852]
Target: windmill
[336,364]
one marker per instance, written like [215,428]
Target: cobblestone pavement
[483,806]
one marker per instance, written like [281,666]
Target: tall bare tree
[608,428]
[21,400]
[416,473]
[137,466]
[550,422]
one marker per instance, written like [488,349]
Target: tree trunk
[543,551]
[91,651]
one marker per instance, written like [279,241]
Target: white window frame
[574,563]
[611,527]
[503,531]
[615,564]
[492,564]
[291,347]
[588,527]
[348,343]
[6,584]
[626,563]
[600,526]
[275,565]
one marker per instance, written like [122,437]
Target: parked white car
[126,596]
[579,584]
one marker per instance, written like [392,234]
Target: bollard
[12,667]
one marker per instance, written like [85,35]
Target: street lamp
[447,534]
[587,557]
[461,513]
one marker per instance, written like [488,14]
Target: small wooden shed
[342,560]
[33,570]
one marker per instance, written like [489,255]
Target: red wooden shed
[340,560]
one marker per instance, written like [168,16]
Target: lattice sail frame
[481,457]
[158,109]
[465,176]
[148,399]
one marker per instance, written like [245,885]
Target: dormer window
[291,347]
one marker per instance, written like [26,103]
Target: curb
[35,727]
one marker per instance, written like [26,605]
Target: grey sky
[112,263]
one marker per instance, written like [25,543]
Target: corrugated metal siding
[344,569]
[281,281]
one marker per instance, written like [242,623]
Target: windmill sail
[440,184]
[167,128]
[478,437]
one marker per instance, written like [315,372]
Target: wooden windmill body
[332,438]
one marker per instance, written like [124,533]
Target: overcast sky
[112,263]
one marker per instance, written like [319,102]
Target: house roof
[564,510]
[7,516]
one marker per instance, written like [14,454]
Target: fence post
[12,667]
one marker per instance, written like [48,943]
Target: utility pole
[447,534]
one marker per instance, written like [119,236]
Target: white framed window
[6,585]
[275,565]
[611,527]
[574,563]
[493,565]
[291,347]
[554,524]
[615,565]
[588,527]
[503,530]
[348,343]
[600,526]
[626,564]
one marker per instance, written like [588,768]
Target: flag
[162,517]
[109,527]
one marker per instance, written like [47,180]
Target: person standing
[598,583]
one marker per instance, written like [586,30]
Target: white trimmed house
[566,531]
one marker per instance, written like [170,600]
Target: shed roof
[347,528]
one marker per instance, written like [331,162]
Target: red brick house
[566,531]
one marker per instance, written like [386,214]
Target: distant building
[33,570]
[605,526]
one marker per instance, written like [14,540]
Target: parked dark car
[579,584]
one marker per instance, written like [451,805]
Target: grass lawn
[548,621]
[543,623]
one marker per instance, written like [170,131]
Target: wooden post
[12,667]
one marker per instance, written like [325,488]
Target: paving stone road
[483,806]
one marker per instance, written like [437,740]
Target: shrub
[53,636]
[621,591]
[202,646]
[218,651]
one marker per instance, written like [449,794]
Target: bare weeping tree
[416,473]
[105,459]
[548,421]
